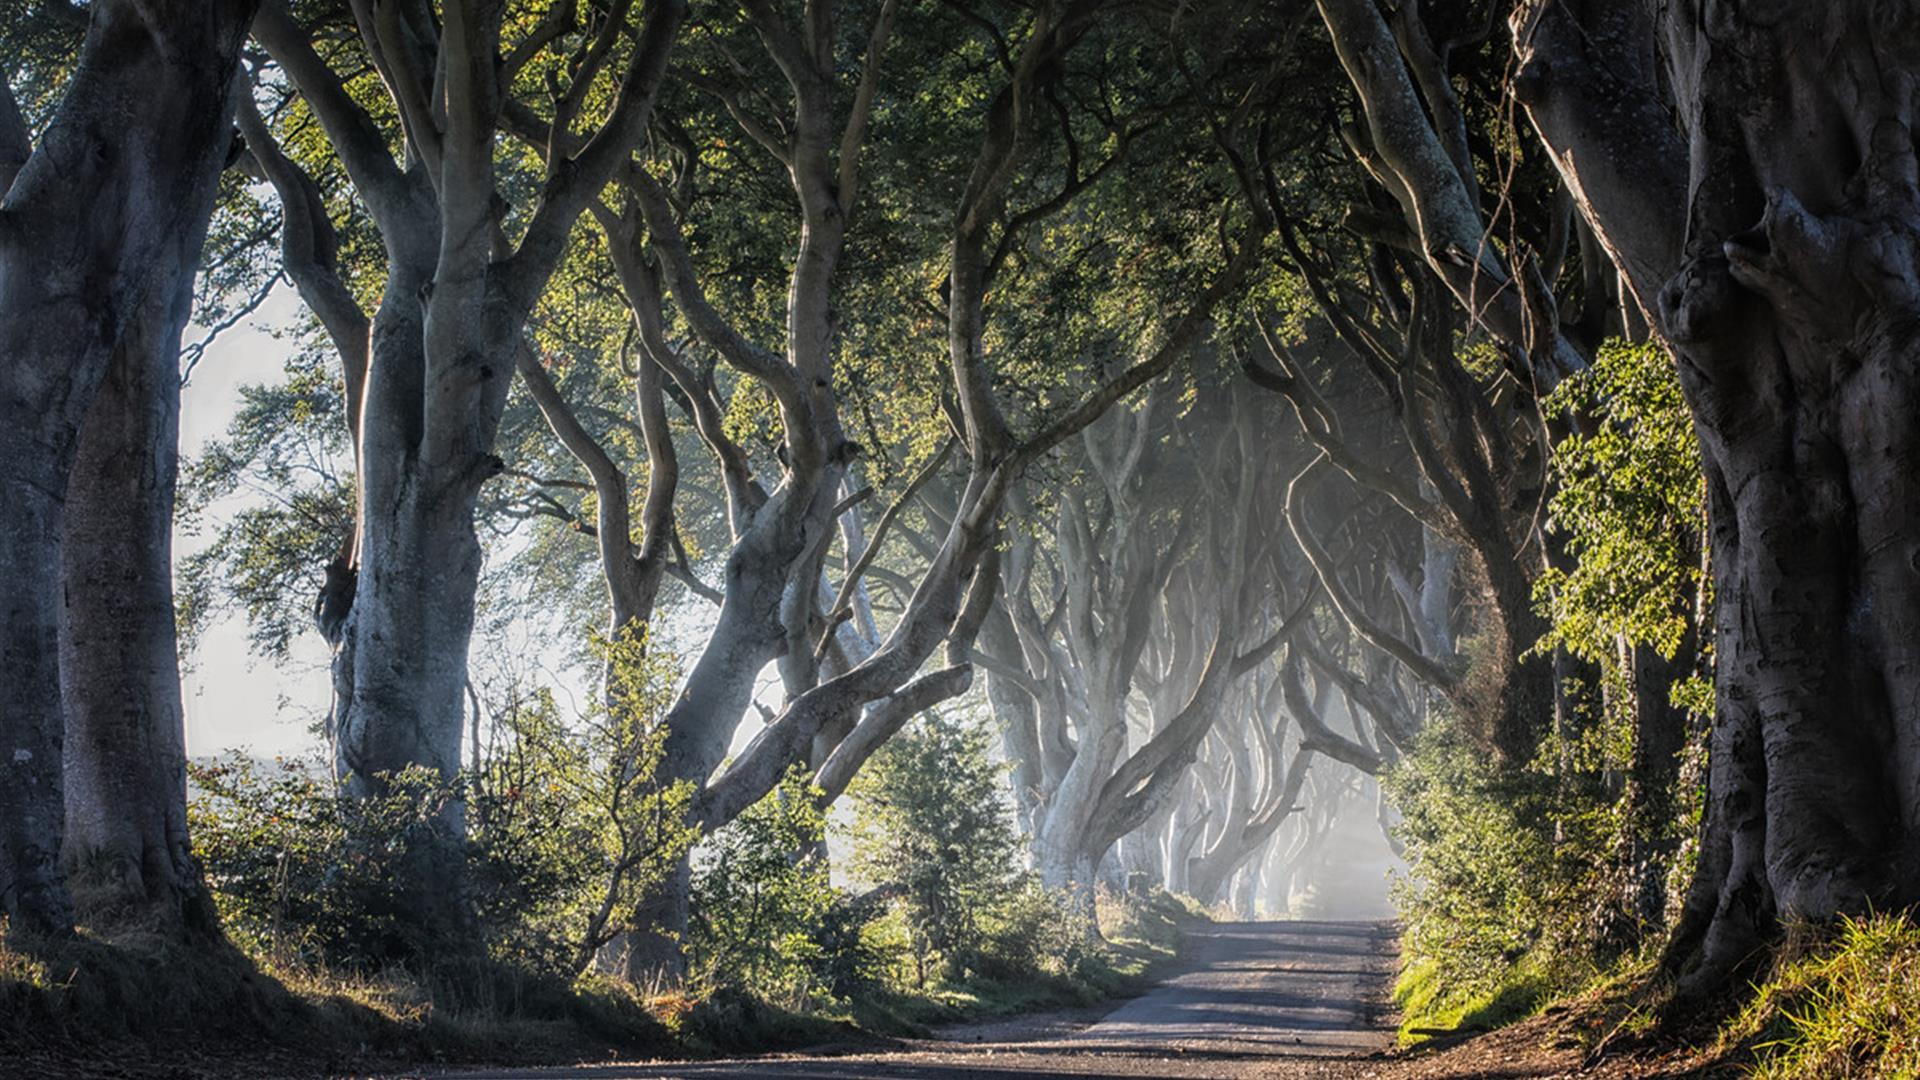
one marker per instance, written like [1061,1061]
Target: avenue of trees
[1176,434]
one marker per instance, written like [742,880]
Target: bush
[1503,874]
[766,920]
[1525,882]
[565,831]
[299,874]
[570,829]
[933,827]
[1029,930]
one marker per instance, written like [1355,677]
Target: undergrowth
[1844,1003]
[1137,934]
[97,1001]
[98,998]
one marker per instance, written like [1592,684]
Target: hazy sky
[233,699]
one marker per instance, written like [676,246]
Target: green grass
[1429,1005]
[1843,1003]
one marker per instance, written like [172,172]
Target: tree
[100,233]
[1261,798]
[1159,553]
[770,593]
[933,828]
[428,380]
[1752,173]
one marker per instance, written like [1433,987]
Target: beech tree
[877,695]
[1752,173]
[1262,794]
[100,233]
[428,371]
[1134,567]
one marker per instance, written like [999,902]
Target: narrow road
[1267,999]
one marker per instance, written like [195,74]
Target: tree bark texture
[99,233]
[1775,236]
[125,767]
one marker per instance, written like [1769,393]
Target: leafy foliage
[298,873]
[767,919]
[1485,884]
[1630,504]
[275,501]
[934,826]
[566,830]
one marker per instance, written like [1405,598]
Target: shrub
[300,874]
[933,827]
[1028,930]
[766,920]
[1502,867]
[566,830]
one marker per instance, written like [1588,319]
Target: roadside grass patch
[1430,1006]
[1843,1002]
[103,998]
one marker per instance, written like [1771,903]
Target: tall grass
[1840,1004]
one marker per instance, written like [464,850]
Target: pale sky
[233,699]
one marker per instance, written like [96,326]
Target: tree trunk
[400,665]
[31,810]
[1063,838]
[98,231]
[126,781]
[1778,248]
[444,345]
[1650,840]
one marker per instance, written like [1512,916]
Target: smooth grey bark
[100,232]
[1774,233]
[441,351]
[125,757]
[953,594]
[1256,813]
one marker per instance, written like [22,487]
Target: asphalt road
[1270,999]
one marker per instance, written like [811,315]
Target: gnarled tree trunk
[1778,246]
[100,232]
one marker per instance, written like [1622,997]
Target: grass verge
[136,1004]
[139,1004]
[1839,1003]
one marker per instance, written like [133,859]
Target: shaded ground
[1273,999]
[1250,1000]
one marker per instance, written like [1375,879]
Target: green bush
[300,874]
[1502,869]
[1029,930]
[1525,882]
[565,831]
[766,919]
[933,828]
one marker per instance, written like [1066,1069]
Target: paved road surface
[1271,999]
